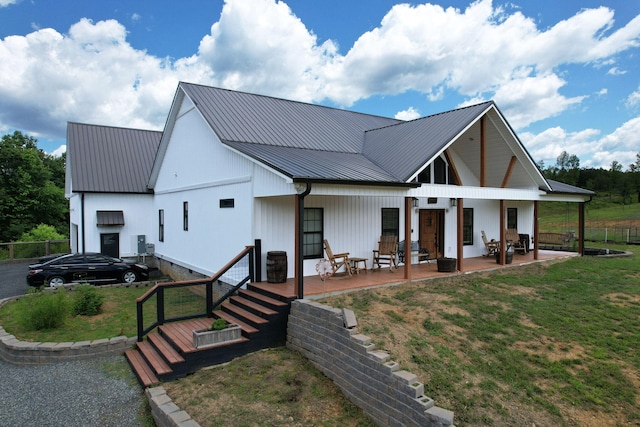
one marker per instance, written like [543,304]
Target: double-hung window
[313,232]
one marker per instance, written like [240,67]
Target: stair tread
[153,358]
[181,333]
[244,313]
[141,368]
[263,298]
[231,319]
[255,306]
[167,350]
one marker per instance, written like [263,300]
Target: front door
[431,231]
[110,244]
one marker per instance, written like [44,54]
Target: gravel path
[97,392]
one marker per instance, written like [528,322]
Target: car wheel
[129,276]
[56,281]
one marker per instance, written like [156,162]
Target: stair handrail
[158,290]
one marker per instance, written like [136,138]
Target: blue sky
[566,74]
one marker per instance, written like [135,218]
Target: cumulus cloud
[633,100]
[408,114]
[5,3]
[620,145]
[92,74]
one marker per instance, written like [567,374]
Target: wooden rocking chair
[337,260]
[512,236]
[492,246]
[387,252]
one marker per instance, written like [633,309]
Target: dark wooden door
[428,230]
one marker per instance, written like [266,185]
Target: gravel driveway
[97,392]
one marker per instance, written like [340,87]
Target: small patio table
[355,264]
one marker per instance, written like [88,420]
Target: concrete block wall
[366,376]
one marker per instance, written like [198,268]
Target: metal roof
[245,117]
[106,159]
[109,218]
[404,148]
[561,187]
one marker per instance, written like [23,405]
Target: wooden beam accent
[507,174]
[407,237]
[456,175]
[460,226]
[536,229]
[483,152]
[503,236]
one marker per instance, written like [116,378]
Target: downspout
[300,242]
[82,220]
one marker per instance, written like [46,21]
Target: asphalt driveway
[13,279]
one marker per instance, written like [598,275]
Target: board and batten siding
[135,208]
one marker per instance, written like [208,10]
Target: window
[512,218]
[390,222]
[161,225]
[185,216]
[313,233]
[439,171]
[227,203]
[467,226]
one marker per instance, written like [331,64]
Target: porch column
[299,235]
[407,237]
[536,229]
[503,237]
[460,238]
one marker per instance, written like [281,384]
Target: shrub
[44,310]
[218,325]
[87,301]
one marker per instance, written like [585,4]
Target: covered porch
[315,288]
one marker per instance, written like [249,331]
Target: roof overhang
[110,218]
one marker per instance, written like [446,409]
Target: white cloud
[92,74]
[408,114]
[5,3]
[615,71]
[59,151]
[599,151]
[633,100]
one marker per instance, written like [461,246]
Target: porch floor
[315,288]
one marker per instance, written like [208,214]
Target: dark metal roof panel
[110,218]
[561,187]
[245,117]
[404,148]
[298,163]
[110,159]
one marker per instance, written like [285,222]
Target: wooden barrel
[276,267]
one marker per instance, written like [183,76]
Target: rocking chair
[337,260]
[387,252]
[492,246]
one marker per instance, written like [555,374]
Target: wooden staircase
[169,353]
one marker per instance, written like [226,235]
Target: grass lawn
[553,344]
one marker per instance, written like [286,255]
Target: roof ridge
[114,127]
[432,115]
[275,98]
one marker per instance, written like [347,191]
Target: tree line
[618,185]
[31,191]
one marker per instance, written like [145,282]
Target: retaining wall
[328,337]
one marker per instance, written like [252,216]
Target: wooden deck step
[265,311]
[167,350]
[246,328]
[181,333]
[153,358]
[263,298]
[141,368]
[239,312]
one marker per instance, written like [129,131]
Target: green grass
[521,345]
[118,315]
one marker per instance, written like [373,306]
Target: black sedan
[86,268]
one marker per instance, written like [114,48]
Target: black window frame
[161,225]
[512,218]
[467,226]
[185,216]
[390,222]
[313,233]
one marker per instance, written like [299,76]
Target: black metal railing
[191,299]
